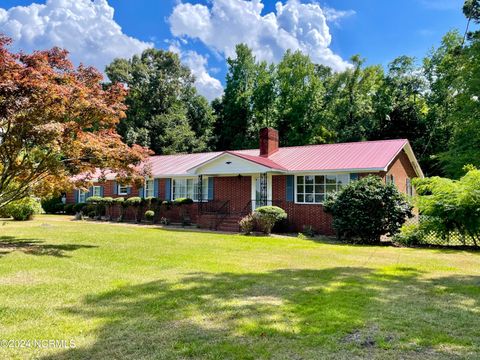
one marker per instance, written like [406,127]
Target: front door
[259,191]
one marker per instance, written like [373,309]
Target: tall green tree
[235,123]
[355,92]
[163,106]
[265,96]
[300,101]
[464,116]
[400,104]
[441,70]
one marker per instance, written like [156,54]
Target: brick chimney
[268,141]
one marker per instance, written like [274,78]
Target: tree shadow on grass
[286,314]
[9,244]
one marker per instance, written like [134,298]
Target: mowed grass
[131,292]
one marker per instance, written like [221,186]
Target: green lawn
[124,291]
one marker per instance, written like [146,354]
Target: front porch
[233,198]
[237,185]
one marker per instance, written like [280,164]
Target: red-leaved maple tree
[57,122]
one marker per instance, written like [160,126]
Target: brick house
[227,185]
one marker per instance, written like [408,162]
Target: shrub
[94,199]
[409,235]
[133,201]
[182,201]
[451,206]
[151,200]
[149,215]
[53,205]
[97,206]
[23,209]
[69,209]
[120,201]
[366,209]
[90,210]
[167,204]
[78,208]
[247,224]
[267,216]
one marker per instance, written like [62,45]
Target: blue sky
[204,32]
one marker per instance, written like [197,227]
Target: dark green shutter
[101,191]
[141,192]
[290,187]
[77,196]
[168,189]
[155,188]
[353,176]
[211,181]
[115,188]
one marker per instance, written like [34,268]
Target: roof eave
[411,156]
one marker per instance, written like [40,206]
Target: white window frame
[149,188]
[324,185]
[119,187]
[194,193]
[82,196]
[389,179]
[95,189]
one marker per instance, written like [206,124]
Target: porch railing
[220,209]
[214,207]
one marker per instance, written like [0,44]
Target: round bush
[409,235]
[133,201]
[119,200]
[366,209]
[23,209]
[94,200]
[247,224]
[182,201]
[167,204]
[149,215]
[52,205]
[77,208]
[268,216]
[69,209]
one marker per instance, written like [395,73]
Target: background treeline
[434,102]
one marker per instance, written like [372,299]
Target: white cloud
[294,25]
[334,15]
[86,28]
[206,85]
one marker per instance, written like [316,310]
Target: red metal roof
[367,155]
[343,156]
[265,161]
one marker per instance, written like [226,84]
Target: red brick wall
[234,188]
[401,169]
[300,215]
